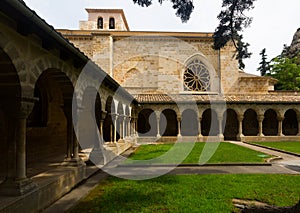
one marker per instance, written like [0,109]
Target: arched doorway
[270,123]
[108,126]
[189,123]
[90,119]
[47,134]
[168,123]
[250,123]
[10,93]
[231,124]
[209,123]
[147,123]
[290,123]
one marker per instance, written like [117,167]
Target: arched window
[196,76]
[100,23]
[111,23]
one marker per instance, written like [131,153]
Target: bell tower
[105,20]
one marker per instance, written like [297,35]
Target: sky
[274,21]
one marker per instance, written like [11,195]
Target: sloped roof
[272,97]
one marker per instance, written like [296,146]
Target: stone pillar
[16,182]
[240,134]
[114,118]
[179,126]
[157,113]
[220,120]
[72,157]
[280,120]
[199,127]
[260,119]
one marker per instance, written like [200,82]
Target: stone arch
[189,123]
[48,62]
[168,123]
[48,141]
[270,123]
[231,124]
[209,123]
[147,123]
[108,125]
[250,123]
[290,123]
[10,94]
[130,78]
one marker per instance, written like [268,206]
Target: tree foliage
[287,72]
[184,8]
[264,64]
[232,22]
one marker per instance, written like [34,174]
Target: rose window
[196,77]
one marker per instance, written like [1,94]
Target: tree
[232,22]
[287,72]
[184,8]
[264,65]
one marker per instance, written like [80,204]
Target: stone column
[72,157]
[114,118]
[220,120]
[260,119]
[179,126]
[157,122]
[240,134]
[16,182]
[280,120]
[199,127]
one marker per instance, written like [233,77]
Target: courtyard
[212,187]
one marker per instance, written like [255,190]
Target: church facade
[180,78]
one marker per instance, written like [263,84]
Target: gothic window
[196,76]
[111,23]
[100,23]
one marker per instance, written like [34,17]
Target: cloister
[54,122]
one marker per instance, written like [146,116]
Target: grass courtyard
[190,193]
[225,153]
[291,146]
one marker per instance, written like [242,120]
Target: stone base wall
[270,138]
[62,180]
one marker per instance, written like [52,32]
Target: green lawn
[291,146]
[190,193]
[225,153]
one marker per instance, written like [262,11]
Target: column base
[97,157]
[73,162]
[221,137]
[17,187]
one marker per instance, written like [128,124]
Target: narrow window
[100,23]
[111,23]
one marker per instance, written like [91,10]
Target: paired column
[240,134]
[157,113]
[199,127]
[280,120]
[260,119]
[179,126]
[16,182]
[72,158]
[220,120]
